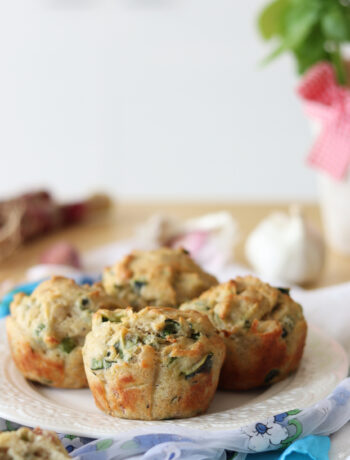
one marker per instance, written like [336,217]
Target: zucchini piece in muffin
[47,329]
[31,445]
[163,277]
[158,363]
[263,328]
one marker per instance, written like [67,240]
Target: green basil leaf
[300,20]
[271,19]
[335,25]
[311,51]
[279,50]
[339,65]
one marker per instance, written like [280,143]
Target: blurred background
[166,106]
[148,99]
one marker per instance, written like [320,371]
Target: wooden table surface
[122,220]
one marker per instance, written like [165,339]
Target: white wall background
[147,98]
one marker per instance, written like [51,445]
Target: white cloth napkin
[329,309]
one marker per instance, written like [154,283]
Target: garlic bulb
[286,248]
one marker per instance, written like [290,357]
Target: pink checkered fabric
[329,103]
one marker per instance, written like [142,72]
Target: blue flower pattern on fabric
[280,417]
[262,435]
[261,428]
[147,441]
[71,442]
[341,396]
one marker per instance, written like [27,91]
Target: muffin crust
[47,330]
[31,445]
[263,328]
[163,277]
[155,364]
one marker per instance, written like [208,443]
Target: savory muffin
[154,364]
[47,329]
[31,445]
[163,277]
[263,328]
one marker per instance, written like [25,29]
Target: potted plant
[317,32]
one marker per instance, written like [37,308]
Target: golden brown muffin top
[248,304]
[58,312]
[162,277]
[31,445]
[185,341]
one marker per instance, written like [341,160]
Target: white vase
[335,208]
[334,196]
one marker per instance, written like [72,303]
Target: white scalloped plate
[323,366]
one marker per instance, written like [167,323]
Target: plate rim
[160,425]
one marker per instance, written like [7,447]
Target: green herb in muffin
[67,345]
[171,328]
[171,360]
[98,364]
[284,290]
[271,375]
[138,285]
[84,303]
[119,349]
[39,328]
[204,366]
